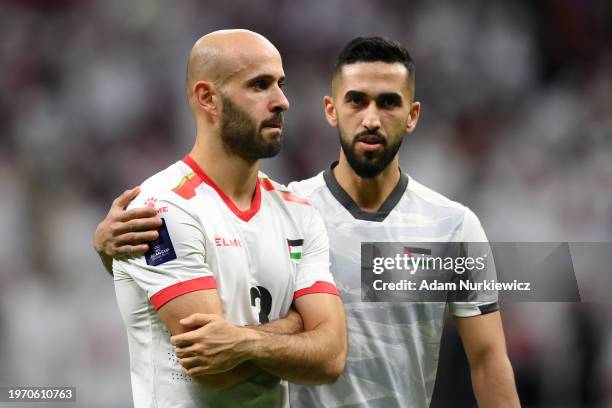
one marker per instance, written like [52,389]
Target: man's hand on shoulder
[124,232]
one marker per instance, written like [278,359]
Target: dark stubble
[242,136]
[373,163]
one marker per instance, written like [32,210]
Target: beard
[242,136]
[372,163]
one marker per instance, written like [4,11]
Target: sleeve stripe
[317,287]
[178,289]
[490,308]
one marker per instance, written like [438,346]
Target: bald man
[238,263]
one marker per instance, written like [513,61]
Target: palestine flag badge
[295,248]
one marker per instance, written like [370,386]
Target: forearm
[312,357]
[493,382]
[291,324]
[237,375]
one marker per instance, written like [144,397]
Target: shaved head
[217,56]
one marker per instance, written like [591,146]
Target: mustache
[368,134]
[276,120]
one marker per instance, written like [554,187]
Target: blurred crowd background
[516,123]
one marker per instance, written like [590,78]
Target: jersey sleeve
[476,245]
[313,274]
[175,263]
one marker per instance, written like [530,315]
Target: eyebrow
[392,96]
[266,77]
[354,95]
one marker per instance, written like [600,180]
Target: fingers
[142,212]
[189,351]
[146,224]
[124,199]
[132,243]
[195,371]
[135,238]
[183,340]
[198,319]
[190,362]
[201,368]
[130,250]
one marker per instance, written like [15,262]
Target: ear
[413,117]
[330,111]
[205,97]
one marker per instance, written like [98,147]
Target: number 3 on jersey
[265,302]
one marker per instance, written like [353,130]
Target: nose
[371,118]
[279,103]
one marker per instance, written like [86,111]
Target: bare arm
[485,347]
[205,301]
[315,356]
[290,324]
[125,232]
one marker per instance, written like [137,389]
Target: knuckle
[113,229]
[120,250]
[131,225]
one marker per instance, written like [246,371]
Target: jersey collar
[347,202]
[243,215]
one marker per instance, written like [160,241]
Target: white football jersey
[259,260]
[393,346]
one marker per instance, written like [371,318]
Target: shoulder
[308,187]
[161,188]
[431,197]
[434,202]
[296,206]
[281,191]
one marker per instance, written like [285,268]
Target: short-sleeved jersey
[393,346]
[259,260]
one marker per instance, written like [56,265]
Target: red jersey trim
[287,196]
[243,215]
[178,289]
[317,287]
[267,184]
[187,186]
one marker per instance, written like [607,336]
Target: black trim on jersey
[350,205]
[490,308]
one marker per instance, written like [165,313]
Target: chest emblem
[295,248]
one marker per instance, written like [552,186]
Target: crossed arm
[222,370]
[314,356]
[309,345]
[485,347]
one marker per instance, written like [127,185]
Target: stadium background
[516,123]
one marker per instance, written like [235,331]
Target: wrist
[251,344]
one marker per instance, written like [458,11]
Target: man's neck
[368,193]
[235,176]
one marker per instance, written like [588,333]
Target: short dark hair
[375,49]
